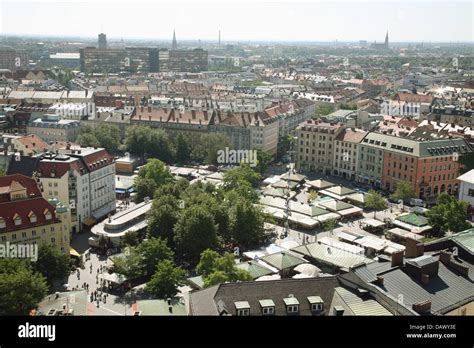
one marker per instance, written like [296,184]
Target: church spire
[386,39]
[174,44]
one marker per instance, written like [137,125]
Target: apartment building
[52,128]
[82,179]
[315,145]
[27,217]
[14,59]
[347,152]
[431,165]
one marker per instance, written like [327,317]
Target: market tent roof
[341,245]
[320,184]
[268,277]
[399,232]
[113,278]
[377,244]
[308,269]
[283,260]
[337,206]
[197,282]
[293,177]
[349,236]
[331,256]
[357,197]
[338,190]
[255,269]
[374,223]
[350,211]
[284,184]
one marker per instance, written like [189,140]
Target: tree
[166,280]
[330,224]
[246,223]
[52,263]
[404,191]
[322,110]
[183,152]
[162,217]
[130,239]
[143,188]
[141,140]
[21,289]
[312,195]
[87,139]
[263,159]
[216,269]
[152,251]
[449,214]
[130,265]
[208,146]
[374,200]
[151,176]
[103,135]
[195,232]
[243,173]
[157,171]
[2,169]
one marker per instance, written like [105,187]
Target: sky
[245,20]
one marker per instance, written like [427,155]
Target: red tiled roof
[47,168]
[97,160]
[23,208]
[33,142]
[30,184]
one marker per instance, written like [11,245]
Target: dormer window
[292,305]
[32,217]
[17,220]
[2,223]
[47,214]
[268,307]
[242,308]
[316,303]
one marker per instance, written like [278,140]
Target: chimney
[379,281]
[445,257]
[413,248]
[422,307]
[397,258]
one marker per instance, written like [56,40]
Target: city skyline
[303,21]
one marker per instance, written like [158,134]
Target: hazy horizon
[254,21]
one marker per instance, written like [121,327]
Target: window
[17,220]
[4,238]
[470,192]
[316,307]
[13,236]
[32,217]
[292,308]
[243,312]
[268,310]
[2,223]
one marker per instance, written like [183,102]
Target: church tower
[174,44]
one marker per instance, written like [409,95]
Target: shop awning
[89,221]
[74,253]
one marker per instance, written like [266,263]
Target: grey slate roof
[205,302]
[445,290]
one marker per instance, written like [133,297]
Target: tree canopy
[21,289]
[449,214]
[166,280]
